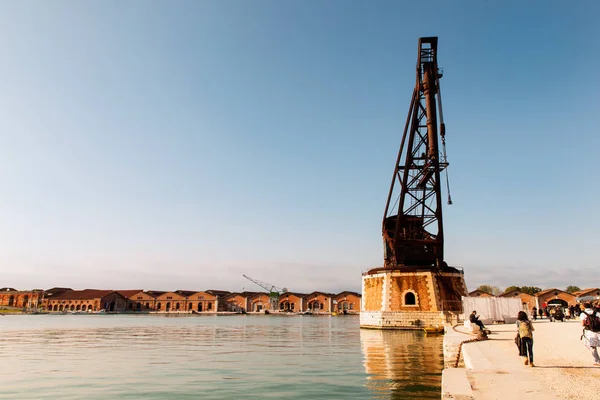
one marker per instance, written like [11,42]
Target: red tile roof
[219,293]
[129,292]
[547,291]
[186,293]
[300,295]
[86,294]
[154,293]
[346,292]
[579,293]
[317,293]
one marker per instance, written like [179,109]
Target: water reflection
[402,364]
[249,357]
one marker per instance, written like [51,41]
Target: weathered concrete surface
[564,368]
[452,340]
[456,385]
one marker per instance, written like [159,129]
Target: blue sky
[164,145]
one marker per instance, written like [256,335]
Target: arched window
[60,308]
[190,306]
[410,299]
[209,307]
[199,307]
[177,306]
[158,306]
[168,307]
[147,305]
[55,307]
[11,301]
[90,307]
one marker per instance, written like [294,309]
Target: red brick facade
[234,302]
[291,302]
[88,300]
[201,302]
[348,302]
[318,302]
[590,292]
[10,297]
[555,296]
[259,302]
[170,302]
[180,301]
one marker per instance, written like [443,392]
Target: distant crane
[274,291]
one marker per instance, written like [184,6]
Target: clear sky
[177,145]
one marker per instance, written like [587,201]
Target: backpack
[592,322]
[525,329]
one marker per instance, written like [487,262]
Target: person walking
[590,320]
[525,329]
[534,312]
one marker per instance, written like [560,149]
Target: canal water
[213,357]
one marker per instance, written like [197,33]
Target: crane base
[411,298]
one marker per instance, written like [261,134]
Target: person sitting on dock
[474,318]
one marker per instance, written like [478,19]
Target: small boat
[434,330]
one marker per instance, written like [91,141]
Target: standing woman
[525,329]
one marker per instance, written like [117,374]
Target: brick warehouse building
[318,302]
[589,292]
[555,296]
[348,302]
[88,300]
[291,302]
[179,301]
[141,301]
[11,297]
[235,302]
[527,301]
[259,302]
[201,302]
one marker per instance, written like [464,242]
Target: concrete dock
[492,369]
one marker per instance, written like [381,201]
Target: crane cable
[443,135]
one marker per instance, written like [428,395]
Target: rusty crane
[412,227]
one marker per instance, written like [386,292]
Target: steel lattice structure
[412,227]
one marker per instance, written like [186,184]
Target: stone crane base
[401,319]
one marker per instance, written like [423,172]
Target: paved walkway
[564,367]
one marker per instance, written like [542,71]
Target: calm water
[212,357]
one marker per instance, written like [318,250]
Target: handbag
[518,344]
